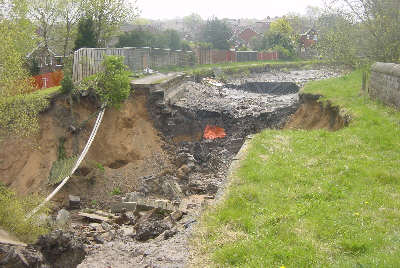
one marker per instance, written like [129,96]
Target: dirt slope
[127,145]
[316,115]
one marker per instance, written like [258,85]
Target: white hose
[78,162]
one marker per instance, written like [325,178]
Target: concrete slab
[153,79]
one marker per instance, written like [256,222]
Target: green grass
[313,198]
[48,91]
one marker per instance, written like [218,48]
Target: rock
[107,227]
[96,227]
[170,233]
[94,217]
[151,225]
[98,239]
[149,230]
[20,257]
[63,217]
[123,219]
[61,248]
[189,223]
[119,207]
[74,202]
[176,215]
[108,236]
[128,231]
[133,197]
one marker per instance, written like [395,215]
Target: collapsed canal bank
[190,169]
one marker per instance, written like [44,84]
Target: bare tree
[70,12]
[45,14]
[108,15]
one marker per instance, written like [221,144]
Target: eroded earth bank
[151,168]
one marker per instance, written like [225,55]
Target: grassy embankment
[313,198]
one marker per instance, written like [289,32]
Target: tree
[217,33]
[173,39]
[337,38]
[136,38]
[141,38]
[377,23]
[86,37]
[45,14]
[299,23]
[70,13]
[193,24]
[107,16]
[280,38]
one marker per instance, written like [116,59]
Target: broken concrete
[74,202]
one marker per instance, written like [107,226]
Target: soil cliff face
[125,143]
[313,114]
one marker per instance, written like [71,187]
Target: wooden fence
[88,61]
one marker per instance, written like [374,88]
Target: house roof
[247,34]
[309,31]
[41,45]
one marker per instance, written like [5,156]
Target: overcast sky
[259,9]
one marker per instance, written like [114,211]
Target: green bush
[19,115]
[13,211]
[113,84]
[284,53]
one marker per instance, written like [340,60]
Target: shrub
[19,114]
[13,211]
[113,84]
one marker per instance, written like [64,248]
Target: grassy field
[313,198]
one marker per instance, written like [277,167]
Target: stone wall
[385,83]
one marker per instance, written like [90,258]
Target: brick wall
[385,83]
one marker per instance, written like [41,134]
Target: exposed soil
[127,145]
[313,114]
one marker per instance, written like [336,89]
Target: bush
[284,53]
[113,84]
[19,114]
[13,211]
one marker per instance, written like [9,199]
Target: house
[307,48]
[44,60]
[243,35]
[309,38]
